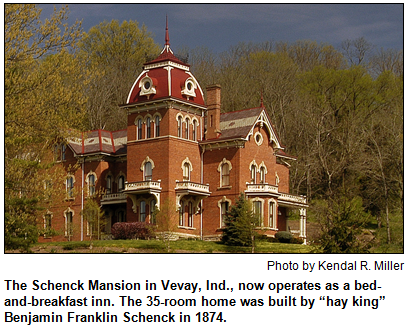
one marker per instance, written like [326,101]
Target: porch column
[303,223]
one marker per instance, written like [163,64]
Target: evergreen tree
[239,224]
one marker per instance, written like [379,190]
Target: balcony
[116,198]
[261,189]
[143,187]
[188,188]
[292,200]
[192,188]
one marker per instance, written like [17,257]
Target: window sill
[186,228]
[224,188]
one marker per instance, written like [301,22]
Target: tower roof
[166,76]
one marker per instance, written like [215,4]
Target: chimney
[213,112]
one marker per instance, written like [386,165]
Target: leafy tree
[93,215]
[240,223]
[342,222]
[166,222]
[114,54]
[42,102]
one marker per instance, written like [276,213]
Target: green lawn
[156,246]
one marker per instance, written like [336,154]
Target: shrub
[284,236]
[132,230]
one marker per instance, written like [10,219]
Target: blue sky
[219,26]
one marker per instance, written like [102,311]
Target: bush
[284,236]
[132,230]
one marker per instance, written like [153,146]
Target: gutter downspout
[83,175]
[202,177]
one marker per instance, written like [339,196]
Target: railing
[193,186]
[293,198]
[114,197]
[261,187]
[143,185]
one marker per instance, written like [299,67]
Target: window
[262,174]
[225,175]
[47,225]
[153,204]
[148,128]
[179,126]
[121,216]
[69,186]
[109,184]
[190,215]
[148,171]
[224,208]
[257,211]
[139,129]
[157,126]
[120,183]
[194,130]
[91,184]
[187,128]
[68,223]
[63,151]
[181,214]
[253,173]
[142,211]
[272,215]
[187,172]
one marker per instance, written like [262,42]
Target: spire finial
[261,99]
[167,37]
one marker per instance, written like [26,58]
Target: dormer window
[147,87]
[189,88]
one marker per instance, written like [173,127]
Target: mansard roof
[165,77]
[100,141]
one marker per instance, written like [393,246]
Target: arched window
[187,128]
[272,214]
[68,223]
[262,174]
[157,126]
[120,183]
[91,184]
[187,172]
[225,175]
[258,212]
[190,215]
[142,211]
[69,186]
[194,130]
[181,213]
[253,170]
[179,126]
[148,171]
[148,127]
[63,151]
[109,184]
[224,208]
[139,129]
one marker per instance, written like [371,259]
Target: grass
[179,246]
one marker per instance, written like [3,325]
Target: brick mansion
[178,146]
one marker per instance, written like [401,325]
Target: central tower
[165,108]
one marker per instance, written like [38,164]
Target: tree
[240,223]
[42,102]
[166,221]
[93,215]
[115,54]
[342,222]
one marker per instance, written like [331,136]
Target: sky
[220,26]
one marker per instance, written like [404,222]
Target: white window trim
[273,223]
